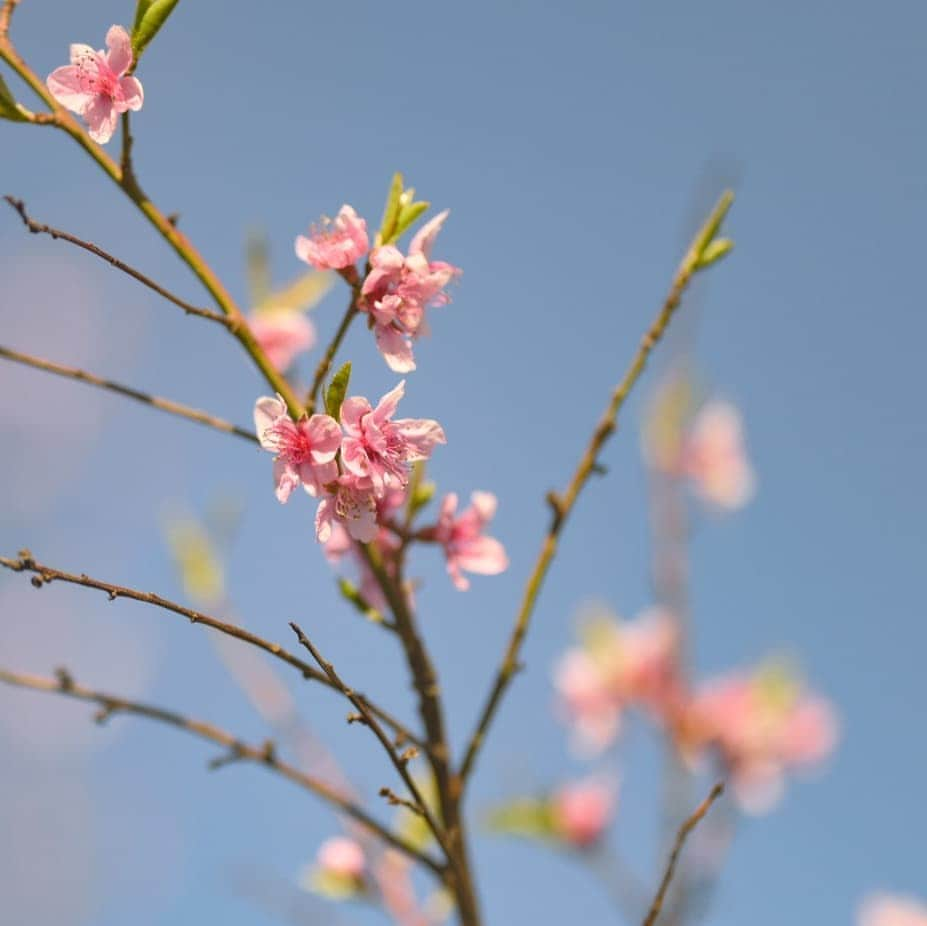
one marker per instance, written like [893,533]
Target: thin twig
[681,838]
[562,505]
[6,13]
[325,364]
[45,574]
[399,763]
[164,405]
[237,750]
[39,228]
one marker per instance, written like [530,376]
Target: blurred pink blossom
[714,457]
[341,856]
[398,289]
[466,546]
[892,910]
[379,449]
[762,725]
[582,811]
[95,86]
[305,449]
[337,244]
[282,334]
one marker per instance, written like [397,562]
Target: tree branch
[39,228]
[164,405]
[43,575]
[681,837]
[238,750]
[562,505]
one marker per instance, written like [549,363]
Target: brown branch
[39,228]
[6,14]
[657,905]
[164,405]
[328,358]
[370,721]
[264,755]
[562,505]
[43,575]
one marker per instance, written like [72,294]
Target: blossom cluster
[759,723]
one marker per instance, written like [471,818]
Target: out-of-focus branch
[164,405]
[42,575]
[657,905]
[237,750]
[399,762]
[39,228]
[562,505]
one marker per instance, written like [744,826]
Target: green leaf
[714,252]
[706,234]
[9,108]
[301,295]
[408,214]
[391,210]
[351,593]
[150,16]
[527,817]
[337,390]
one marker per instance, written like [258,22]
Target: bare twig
[562,505]
[6,14]
[369,720]
[45,574]
[39,228]
[237,750]
[657,905]
[164,405]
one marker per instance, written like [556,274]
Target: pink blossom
[399,289]
[342,857]
[466,546]
[94,84]
[713,456]
[282,334]
[379,449]
[353,505]
[762,725]
[582,811]
[891,910]
[339,243]
[621,663]
[305,449]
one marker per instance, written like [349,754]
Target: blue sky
[570,142]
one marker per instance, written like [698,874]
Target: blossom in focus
[892,910]
[762,724]
[714,457]
[581,811]
[304,450]
[95,86]
[378,449]
[466,546]
[337,243]
[618,664]
[399,289]
[351,504]
[282,334]
[339,869]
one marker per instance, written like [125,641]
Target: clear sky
[571,141]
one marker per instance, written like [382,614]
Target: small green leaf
[351,593]
[301,295]
[706,234]
[408,214]
[150,16]
[337,390]
[714,252]
[527,817]
[391,211]
[9,108]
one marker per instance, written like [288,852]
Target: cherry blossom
[398,289]
[379,449]
[466,546]
[353,505]
[339,870]
[892,910]
[282,334]
[337,244]
[305,449]
[582,811]
[95,86]
[762,724]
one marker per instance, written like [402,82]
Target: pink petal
[485,504]
[267,410]
[120,50]
[133,93]
[67,87]
[83,54]
[325,437]
[364,527]
[424,238]
[387,406]
[324,516]
[395,348]
[422,434]
[286,479]
[484,556]
[352,411]
[102,119]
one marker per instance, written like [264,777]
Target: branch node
[65,679]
